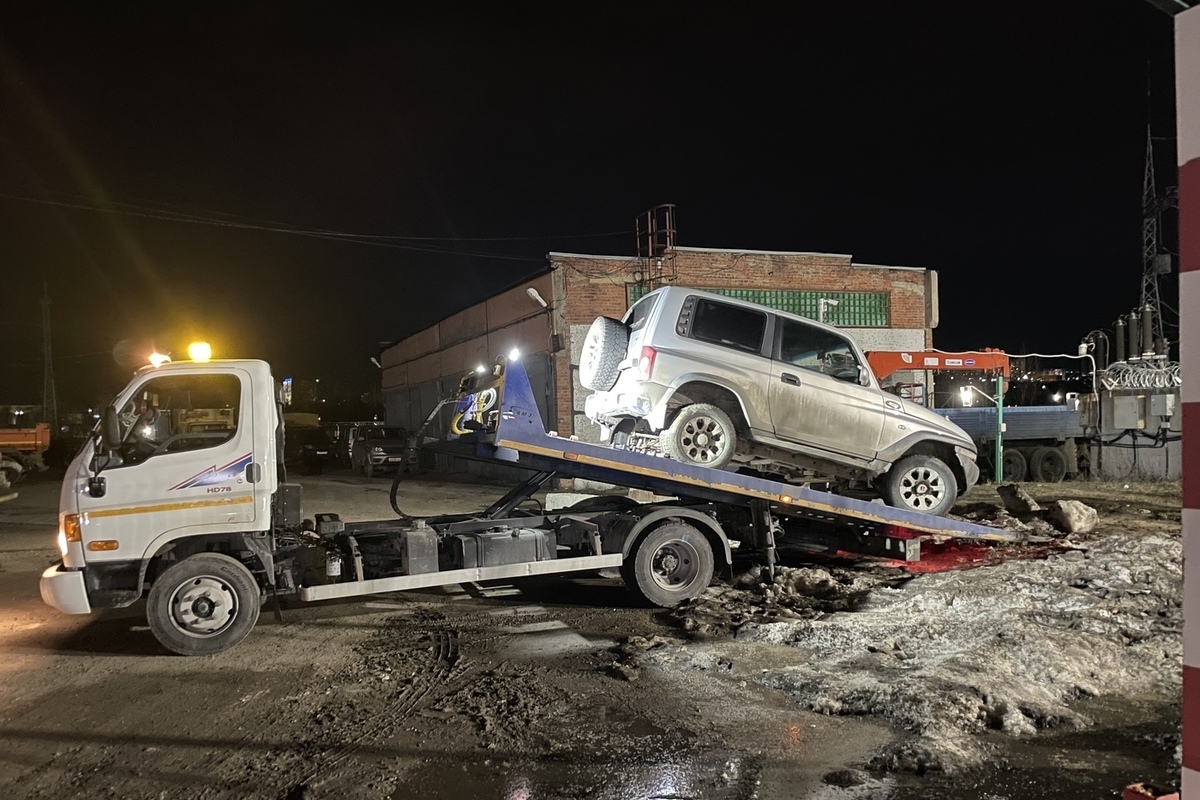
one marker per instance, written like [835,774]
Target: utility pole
[49,396]
[1152,264]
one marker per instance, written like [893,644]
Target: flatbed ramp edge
[507,427]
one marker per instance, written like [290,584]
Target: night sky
[150,164]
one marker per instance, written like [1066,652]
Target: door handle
[253,472]
[790,379]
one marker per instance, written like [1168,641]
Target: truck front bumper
[65,590]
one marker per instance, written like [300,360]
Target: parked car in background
[713,381]
[343,434]
[308,449]
[378,448]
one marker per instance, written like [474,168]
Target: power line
[377,240]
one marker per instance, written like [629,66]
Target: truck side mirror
[864,377]
[110,428]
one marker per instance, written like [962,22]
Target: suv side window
[729,326]
[635,318]
[817,350]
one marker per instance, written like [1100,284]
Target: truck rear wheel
[1015,467]
[672,563]
[203,605]
[1048,464]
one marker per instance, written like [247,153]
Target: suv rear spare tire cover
[603,351]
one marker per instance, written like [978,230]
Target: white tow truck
[180,497]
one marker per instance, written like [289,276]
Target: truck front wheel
[203,605]
[672,563]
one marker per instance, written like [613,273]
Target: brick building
[884,308]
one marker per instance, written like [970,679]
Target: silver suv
[709,380]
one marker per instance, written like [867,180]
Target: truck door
[187,460]
[816,395]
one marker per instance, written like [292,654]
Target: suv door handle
[790,379]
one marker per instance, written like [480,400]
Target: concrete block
[1073,516]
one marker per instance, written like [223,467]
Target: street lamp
[964,394]
[822,305]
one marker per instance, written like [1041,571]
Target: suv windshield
[375,434]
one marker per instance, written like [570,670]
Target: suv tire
[701,434]
[603,351]
[921,483]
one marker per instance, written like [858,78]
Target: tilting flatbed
[510,430]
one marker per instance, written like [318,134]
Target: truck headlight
[68,531]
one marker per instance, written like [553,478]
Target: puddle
[1128,744]
[647,775]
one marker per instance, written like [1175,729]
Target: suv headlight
[377,450]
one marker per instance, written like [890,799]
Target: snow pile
[1005,647]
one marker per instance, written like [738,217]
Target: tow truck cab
[184,461]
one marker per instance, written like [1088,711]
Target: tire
[1048,464]
[603,351]
[1015,466]
[203,605]
[670,564]
[921,483]
[701,434]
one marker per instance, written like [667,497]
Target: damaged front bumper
[64,588]
[966,460]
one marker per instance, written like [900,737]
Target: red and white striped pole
[1187,106]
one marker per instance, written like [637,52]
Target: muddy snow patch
[796,593]
[1007,647]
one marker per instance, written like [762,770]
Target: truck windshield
[173,413]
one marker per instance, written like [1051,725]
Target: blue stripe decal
[215,474]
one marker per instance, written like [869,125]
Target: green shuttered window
[854,309]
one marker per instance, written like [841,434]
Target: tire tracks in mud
[286,753]
[436,668]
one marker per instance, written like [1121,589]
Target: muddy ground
[1048,671]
